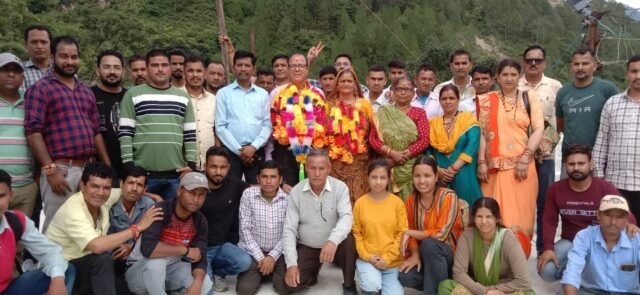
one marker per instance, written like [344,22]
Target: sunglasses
[531,61]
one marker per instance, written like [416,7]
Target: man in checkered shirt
[616,153]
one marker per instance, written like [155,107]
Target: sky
[631,3]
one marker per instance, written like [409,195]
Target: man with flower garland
[298,113]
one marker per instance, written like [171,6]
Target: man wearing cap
[15,155]
[604,260]
[174,248]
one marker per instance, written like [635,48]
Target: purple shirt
[67,119]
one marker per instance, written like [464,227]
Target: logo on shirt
[573,103]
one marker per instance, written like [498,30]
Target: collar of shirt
[18,102]
[279,195]
[138,206]
[235,85]
[307,186]
[4,225]
[51,76]
[524,83]
[29,64]
[623,241]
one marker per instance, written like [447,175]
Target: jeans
[546,177]
[437,263]
[36,282]
[227,260]
[155,276]
[375,280]
[167,188]
[551,273]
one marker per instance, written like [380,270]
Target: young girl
[379,221]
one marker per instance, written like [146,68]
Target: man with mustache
[62,127]
[204,105]
[243,119]
[534,60]
[158,128]
[617,153]
[460,64]
[222,209]
[576,200]
[138,69]
[37,40]
[579,104]
[176,64]
[215,77]
[109,92]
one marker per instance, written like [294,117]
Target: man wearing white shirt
[460,63]
[425,80]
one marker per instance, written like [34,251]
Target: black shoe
[349,290]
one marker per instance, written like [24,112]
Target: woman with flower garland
[347,133]
[455,139]
[401,133]
[511,133]
[298,113]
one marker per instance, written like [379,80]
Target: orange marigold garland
[346,130]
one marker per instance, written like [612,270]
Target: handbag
[550,136]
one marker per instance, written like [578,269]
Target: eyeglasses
[531,61]
[294,67]
[402,89]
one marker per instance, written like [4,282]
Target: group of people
[180,180]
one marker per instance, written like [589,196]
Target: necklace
[404,109]
[449,123]
[504,104]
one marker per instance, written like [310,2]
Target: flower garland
[346,131]
[298,118]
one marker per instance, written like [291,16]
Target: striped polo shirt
[15,155]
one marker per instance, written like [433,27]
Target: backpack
[17,221]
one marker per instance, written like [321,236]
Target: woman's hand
[397,157]
[483,172]
[521,171]
[411,262]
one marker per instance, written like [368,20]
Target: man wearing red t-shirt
[174,248]
[576,199]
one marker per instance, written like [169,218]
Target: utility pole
[223,46]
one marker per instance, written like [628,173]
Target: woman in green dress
[454,142]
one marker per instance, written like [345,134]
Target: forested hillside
[423,30]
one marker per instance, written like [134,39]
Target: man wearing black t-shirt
[221,208]
[109,93]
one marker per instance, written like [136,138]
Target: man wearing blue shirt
[243,119]
[604,260]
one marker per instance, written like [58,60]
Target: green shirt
[580,107]
[15,155]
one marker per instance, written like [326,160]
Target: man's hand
[152,215]
[225,39]
[314,52]
[328,252]
[194,254]
[57,287]
[194,289]
[58,184]
[266,265]
[247,154]
[286,188]
[632,230]
[184,170]
[292,277]
[156,198]
[122,252]
[545,257]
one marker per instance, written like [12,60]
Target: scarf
[486,269]
[438,137]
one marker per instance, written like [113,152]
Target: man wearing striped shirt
[15,155]
[158,129]
[262,214]
[616,153]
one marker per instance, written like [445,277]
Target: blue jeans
[546,177]
[158,275]
[375,280]
[36,282]
[227,260]
[167,188]
[551,273]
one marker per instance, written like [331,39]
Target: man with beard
[579,104]
[616,154]
[62,127]
[460,63]
[215,77]
[157,120]
[174,246]
[37,41]
[221,207]
[576,199]
[204,105]
[176,64]
[138,69]
[109,93]
[243,119]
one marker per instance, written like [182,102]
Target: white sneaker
[220,284]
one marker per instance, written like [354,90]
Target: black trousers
[94,275]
